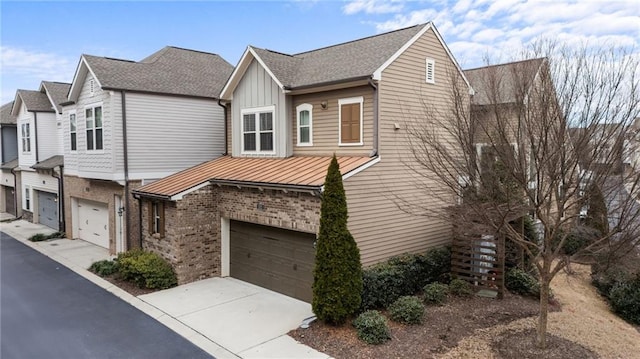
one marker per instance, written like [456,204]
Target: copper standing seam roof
[295,172]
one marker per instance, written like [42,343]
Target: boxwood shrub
[625,299]
[460,288]
[520,282]
[104,268]
[408,310]
[372,327]
[146,269]
[436,293]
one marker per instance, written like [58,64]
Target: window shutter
[350,123]
[150,217]
[161,220]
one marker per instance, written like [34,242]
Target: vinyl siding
[47,136]
[379,218]
[36,182]
[168,134]
[26,159]
[257,89]
[326,123]
[99,164]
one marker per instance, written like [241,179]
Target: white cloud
[373,7]
[400,21]
[34,64]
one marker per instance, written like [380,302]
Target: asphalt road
[48,311]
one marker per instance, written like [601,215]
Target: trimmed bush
[372,327]
[38,237]
[407,310]
[520,282]
[146,269]
[404,275]
[337,276]
[104,268]
[436,293]
[625,299]
[460,288]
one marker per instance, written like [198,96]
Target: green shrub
[56,235]
[436,293]
[597,215]
[407,309]
[460,288]
[337,275]
[146,269]
[625,299]
[372,327]
[404,275]
[515,256]
[520,282]
[38,237]
[104,268]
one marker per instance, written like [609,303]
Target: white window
[73,131]
[430,71]
[305,124]
[257,130]
[27,199]
[26,137]
[350,121]
[93,119]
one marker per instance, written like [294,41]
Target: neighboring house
[608,146]
[254,213]
[9,177]
[631,154]
[40,152]
[129,123]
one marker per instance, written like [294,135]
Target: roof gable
[34,101]
[170,71]
[354,60]
[56,92]
[6,115]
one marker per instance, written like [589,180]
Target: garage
[48,209]
[9,201]
[277,259]
[93,222]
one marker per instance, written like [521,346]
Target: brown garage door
[9,201]
[274,258]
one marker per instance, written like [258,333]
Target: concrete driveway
[244,319]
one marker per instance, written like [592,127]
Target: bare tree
[539,137]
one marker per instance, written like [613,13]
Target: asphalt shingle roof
[36,101]
[6,118]
[49,163]
[58,92]
[171,70]
[349,60]
[498,84]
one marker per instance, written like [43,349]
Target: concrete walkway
[225,317]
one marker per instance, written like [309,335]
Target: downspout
[374,151]
[15,192]
[35,133]
[139,199]
[61,221]
[126,166]
[226,141]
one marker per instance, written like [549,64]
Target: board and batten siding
[257,89]
[377,196]
[99,164]
[166,134]
[47,136]
[326,122]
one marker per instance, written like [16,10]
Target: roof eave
[112,88]
[239,71]
[358,80]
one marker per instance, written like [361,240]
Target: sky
[44,40]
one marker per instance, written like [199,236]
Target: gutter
[375,117]
[262,185]
[226,142]
[15,192]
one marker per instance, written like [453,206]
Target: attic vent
[91,90]
[430,71]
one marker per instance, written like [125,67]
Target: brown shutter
[350,123]
[150,217]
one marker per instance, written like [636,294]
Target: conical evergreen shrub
[337,276]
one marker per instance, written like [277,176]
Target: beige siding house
[128,123]
[254,213]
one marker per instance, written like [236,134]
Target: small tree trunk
[541,339]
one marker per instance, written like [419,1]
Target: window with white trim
[156,218]
[73,131]
[257,130]
[93,119]
[305,124]
[430,71]
[27,199]
[350,115]
[26,137]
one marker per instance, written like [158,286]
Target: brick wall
[27,215]
[192,241]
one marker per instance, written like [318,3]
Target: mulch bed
[129,287]
[522,344]
[443,327]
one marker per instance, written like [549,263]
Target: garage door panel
[93,222]
[48,209]
[274,258]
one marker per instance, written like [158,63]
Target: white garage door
[93,222]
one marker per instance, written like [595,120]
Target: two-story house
[254,213]
[9,178]
[40,152]
[128,123]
